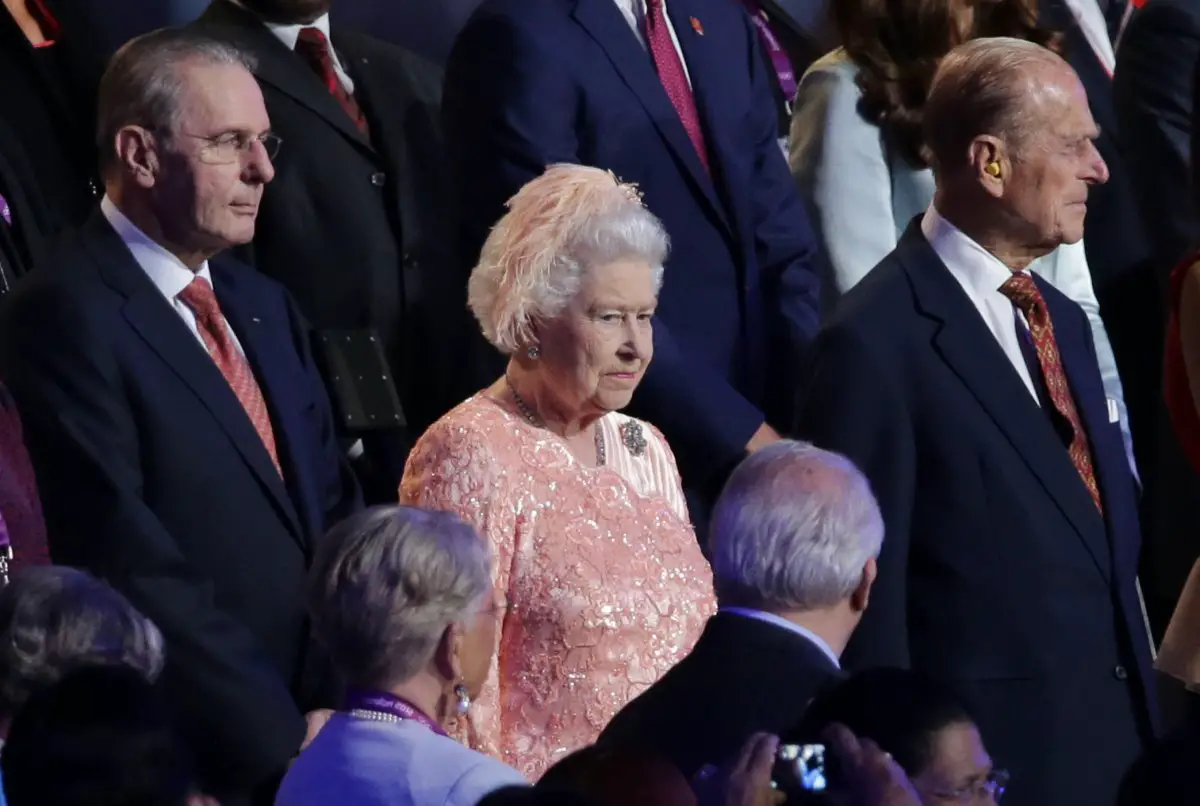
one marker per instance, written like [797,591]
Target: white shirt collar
[168,273]
[782,623]
[634,12]
[978,270]
[290,34]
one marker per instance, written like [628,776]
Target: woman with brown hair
[856,151]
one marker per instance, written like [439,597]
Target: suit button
[378,178]
[1121,673]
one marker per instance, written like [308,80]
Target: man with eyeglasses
[182,438]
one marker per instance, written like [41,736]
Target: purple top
[22,528]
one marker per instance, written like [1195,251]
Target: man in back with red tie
[677,97]
[969,393]
[182,438]
[359,223]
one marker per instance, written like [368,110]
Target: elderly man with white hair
[969,393]
[794,539]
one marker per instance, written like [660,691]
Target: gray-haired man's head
[796,529]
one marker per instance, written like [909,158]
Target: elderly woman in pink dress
[583,506]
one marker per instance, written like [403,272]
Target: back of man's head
[987,86]
[99,737]
[794,530]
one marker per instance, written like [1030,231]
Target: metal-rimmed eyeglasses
[989,790]
[229,147]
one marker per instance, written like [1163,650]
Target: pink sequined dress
[606,585]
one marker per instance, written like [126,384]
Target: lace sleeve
[454,470]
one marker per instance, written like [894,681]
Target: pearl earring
[462,700]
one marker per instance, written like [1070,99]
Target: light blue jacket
[358,762]
[863,195]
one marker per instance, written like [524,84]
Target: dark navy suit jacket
[743,676]
[154,478]
[998,573]
[530,83]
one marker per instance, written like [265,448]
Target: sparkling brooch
[633,437]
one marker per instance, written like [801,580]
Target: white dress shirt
[634,12]
[1095,30]
[166,271]
[784,624]
[980,273]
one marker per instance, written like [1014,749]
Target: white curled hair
[566,221]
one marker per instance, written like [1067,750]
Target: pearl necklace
[537,422]
[378,716]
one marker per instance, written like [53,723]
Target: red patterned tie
[214,331]
[674,78]
[314,47]
[1024,293]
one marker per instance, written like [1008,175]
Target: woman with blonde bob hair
[582,505]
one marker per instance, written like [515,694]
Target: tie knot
[312,44]
[312,37]
[1023,291]
[199,296]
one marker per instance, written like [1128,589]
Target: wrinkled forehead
[219,98]
[1061,102]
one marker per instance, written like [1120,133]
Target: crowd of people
[629,413]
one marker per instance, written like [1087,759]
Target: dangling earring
[534,352]
[462,700]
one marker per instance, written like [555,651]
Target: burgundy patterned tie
[672,75]
[1024,293]
[314,47]
[214,331]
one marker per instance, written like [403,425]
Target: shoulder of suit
[880,286]
[377,52]
[522,11]
[244,276]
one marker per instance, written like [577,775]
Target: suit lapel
[1108,450]
[603,22]
[279,67]
[972,353]
[253,324]
[165,333]
[383,101]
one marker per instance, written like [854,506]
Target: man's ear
[989,164]
[137,151]
[861,596]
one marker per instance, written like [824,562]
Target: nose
[1097,173]
[259,169]
[639,339]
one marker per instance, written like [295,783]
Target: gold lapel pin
[697,27]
